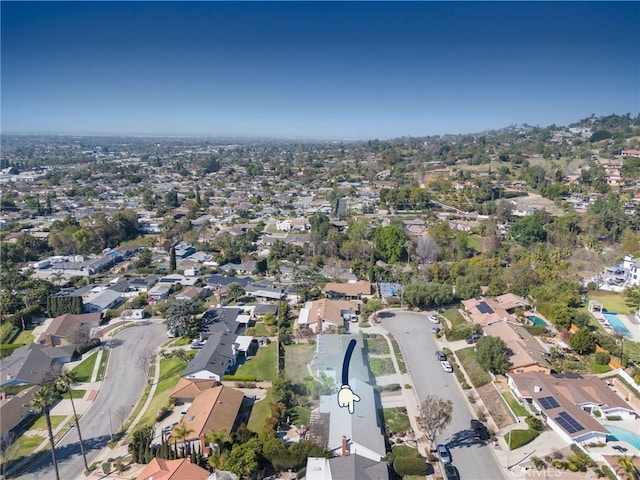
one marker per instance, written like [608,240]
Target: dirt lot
[494,403]
[297,356]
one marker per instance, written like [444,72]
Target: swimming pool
[625,435]
[617,324]
[537,320]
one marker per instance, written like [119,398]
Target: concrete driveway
[473,459]
[121,388]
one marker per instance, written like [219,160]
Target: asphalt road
[122,387]
[473,459]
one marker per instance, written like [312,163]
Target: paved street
[122,387]
[473,459]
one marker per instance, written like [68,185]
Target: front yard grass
[381,366]
[263,366]
[41,422]
[454,316]
[400,451]
[395,421]
[75,393]
[377,345]
[519,438]
[103,365]
[23,446]
[170,370]
[597,368]
[398,354]
[84,370]
[516,406]
[477,375]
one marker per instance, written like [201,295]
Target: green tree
[182,432]
[180,317]
[141,443]
[390,242]
[43,400]
[491,354]
[528,230]
[235,292]
[172,259]
[428,295]
[63,384]
[243,459]
[582,341]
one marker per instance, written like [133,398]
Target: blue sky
[306,69]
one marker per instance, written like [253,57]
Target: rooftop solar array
[567,422]
[484,308]
[548,402]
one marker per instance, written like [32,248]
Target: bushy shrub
[602,358]
[534,423]
[85,347]
[409,466]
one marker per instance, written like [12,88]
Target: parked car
[451,472]
[441,356]
[435,329]
[473,338]
[433,319]
[446,366]
[479,429]
[444,454]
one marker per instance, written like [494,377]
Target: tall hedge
[57,306]
[410,466]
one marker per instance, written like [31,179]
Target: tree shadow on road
[464,439]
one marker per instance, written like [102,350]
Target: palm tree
[42,402]
[235,291]
[219,439]
[182,432]
[63,384]
[627,467]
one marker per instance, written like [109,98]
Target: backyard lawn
[612,302]
[262,366]
[296,358]
[26,337]
[84,370]
[476,373]
[259,413]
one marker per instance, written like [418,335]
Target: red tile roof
[180,469]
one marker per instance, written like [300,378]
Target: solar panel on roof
[484,308]
[548,402]
[567,422]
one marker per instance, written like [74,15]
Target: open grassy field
[263,365]
[84,370]
[476,373]
[613,302]
[296,358]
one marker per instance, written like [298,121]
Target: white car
[446,366]
[433,319]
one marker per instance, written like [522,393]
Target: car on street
[479,429]
[433,319]
[446,366]
[444,454]
[435,329]
[441,356]
[473,338]
[451,472]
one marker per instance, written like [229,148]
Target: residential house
[160,291]
[102,301]
[353,467]
[213,410]
[333,426]
[485,311]
[63,330]
[143,284]
[216,358]
[217,281]
[262,309]
[13,411]
[326,315]
[348,291]
[525,353]
[179,469]
[192,293]
[568,403]
[265,290]
[29,364]
[189,388]
[246,267]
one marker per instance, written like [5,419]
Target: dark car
[441,356]
[451,472]
[473,338]
[479,429]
